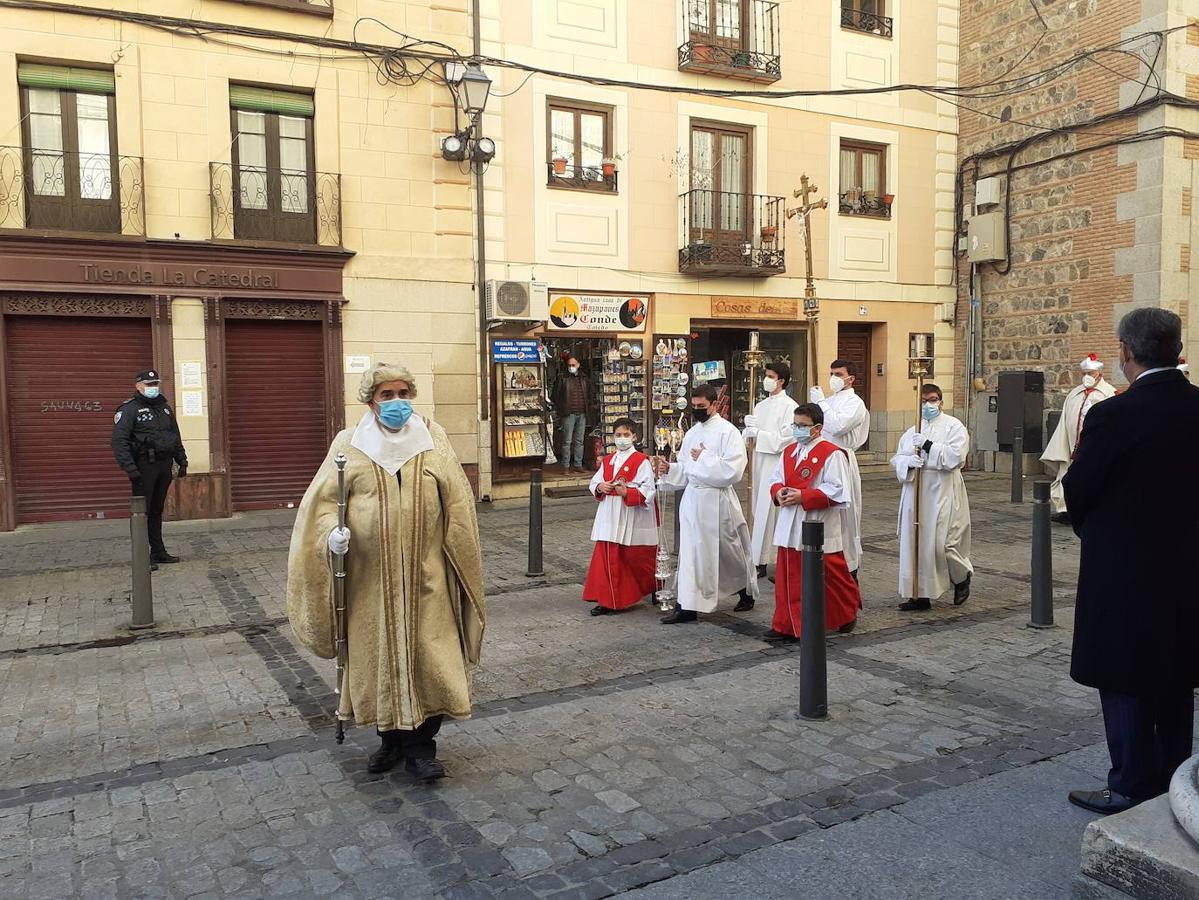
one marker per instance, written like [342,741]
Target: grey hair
[1152,336]
[381,373]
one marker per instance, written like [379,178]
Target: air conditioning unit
[517,301]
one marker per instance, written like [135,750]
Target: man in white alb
[846,424]
[1060,450]
[770,428]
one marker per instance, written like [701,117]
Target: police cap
[150,376]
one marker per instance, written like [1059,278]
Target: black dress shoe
[848,627]
[602,611]
[425,769]
[745,604]
[761,571]
[163,558]
[1105,802]
[385,758]
[1062,518]
[153,567]
[679,616]
[961,592]
[920,604]
[777,637]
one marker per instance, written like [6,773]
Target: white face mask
[836,384]
[1089,381]
[623,443]
[574,370]
[769,384]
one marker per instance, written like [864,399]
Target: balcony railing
[855,202]
[732,38]
[871,23]
[732,234]
[273,204]
[587,178]
[322,8]
[62,190]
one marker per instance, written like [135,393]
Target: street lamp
[471,87]
[476,87]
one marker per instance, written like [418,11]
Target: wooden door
[720,179]
[853,345]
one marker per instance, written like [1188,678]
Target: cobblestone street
[605,755]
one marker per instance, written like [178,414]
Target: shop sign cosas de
[598,312]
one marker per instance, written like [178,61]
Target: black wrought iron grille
[864,203]
[735,38]
[732,234]
[590,178]
[275,204]
[65,190]
[873,23]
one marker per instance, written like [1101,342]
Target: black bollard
[142,594]
[536,532]
[1018,464]
[813,669]
[1042,557]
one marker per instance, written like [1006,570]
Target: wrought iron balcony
[605,178]
[272,204]
[732,38]
[871,23]
[323,8]
[856,202]
[61,190]
[732,234]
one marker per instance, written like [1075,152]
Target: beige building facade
[637,186]
[257,214]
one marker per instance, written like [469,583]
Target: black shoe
[961,592]
[1104,802]
[1062,518]
[848,627]
[163,558]
[425,769]
[745,604]
[854,576]
[921,604]
[761,571]
[777,637]
[602,611]
[385,758]
[679,616]
[153,567]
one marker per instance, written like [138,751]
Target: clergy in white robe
[846,424]
[625,532]
[715,559]
[769,430]
[938,450]
[1059,452]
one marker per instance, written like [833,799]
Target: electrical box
[988,191]
[987,435]
[987,239]
[1021,402]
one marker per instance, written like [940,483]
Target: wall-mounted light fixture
[471,88]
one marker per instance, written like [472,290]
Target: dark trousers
[155,482]
[1148,738]
[418,743]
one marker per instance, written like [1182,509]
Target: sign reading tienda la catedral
[176,276]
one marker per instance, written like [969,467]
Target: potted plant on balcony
[559,163]
[769,233]
[742,59]
[609,166]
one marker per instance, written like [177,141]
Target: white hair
[381,373]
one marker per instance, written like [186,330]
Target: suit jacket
[1133,496]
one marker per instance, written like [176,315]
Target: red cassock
[842,597]
[621,575]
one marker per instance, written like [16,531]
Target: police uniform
[146,442]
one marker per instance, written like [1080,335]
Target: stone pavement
[197,760]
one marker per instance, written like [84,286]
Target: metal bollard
[1018,465]
[536,532]
[143,591]
[1042,557]
[813,669]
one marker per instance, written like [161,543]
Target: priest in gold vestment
[414,576]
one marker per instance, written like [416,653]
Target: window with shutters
[863,188]
[274,178]
[579,142]
[69,137]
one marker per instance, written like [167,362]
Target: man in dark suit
[1133,496]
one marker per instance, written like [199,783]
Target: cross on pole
[811,305]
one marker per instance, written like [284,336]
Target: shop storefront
[225,325]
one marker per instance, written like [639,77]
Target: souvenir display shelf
[622,391]
[522,408]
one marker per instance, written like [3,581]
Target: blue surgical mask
[803,433]
[929,411]
[395,413]
[151,391]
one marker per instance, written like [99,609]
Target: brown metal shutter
[66,378]
[275,397]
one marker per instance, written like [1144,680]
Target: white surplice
[833,482]
[615,520]
[847,424]
[1060,449]
[771,433]
[944,509]
[715,559]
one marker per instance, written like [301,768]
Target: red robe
[842,597]
[621,575]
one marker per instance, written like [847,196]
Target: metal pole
[1042,557]
[1018,465]
[143,591]
[480,233]
[341,635]
[535,525]
[813,670]
[916,482]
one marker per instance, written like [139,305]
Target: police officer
[146,441]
